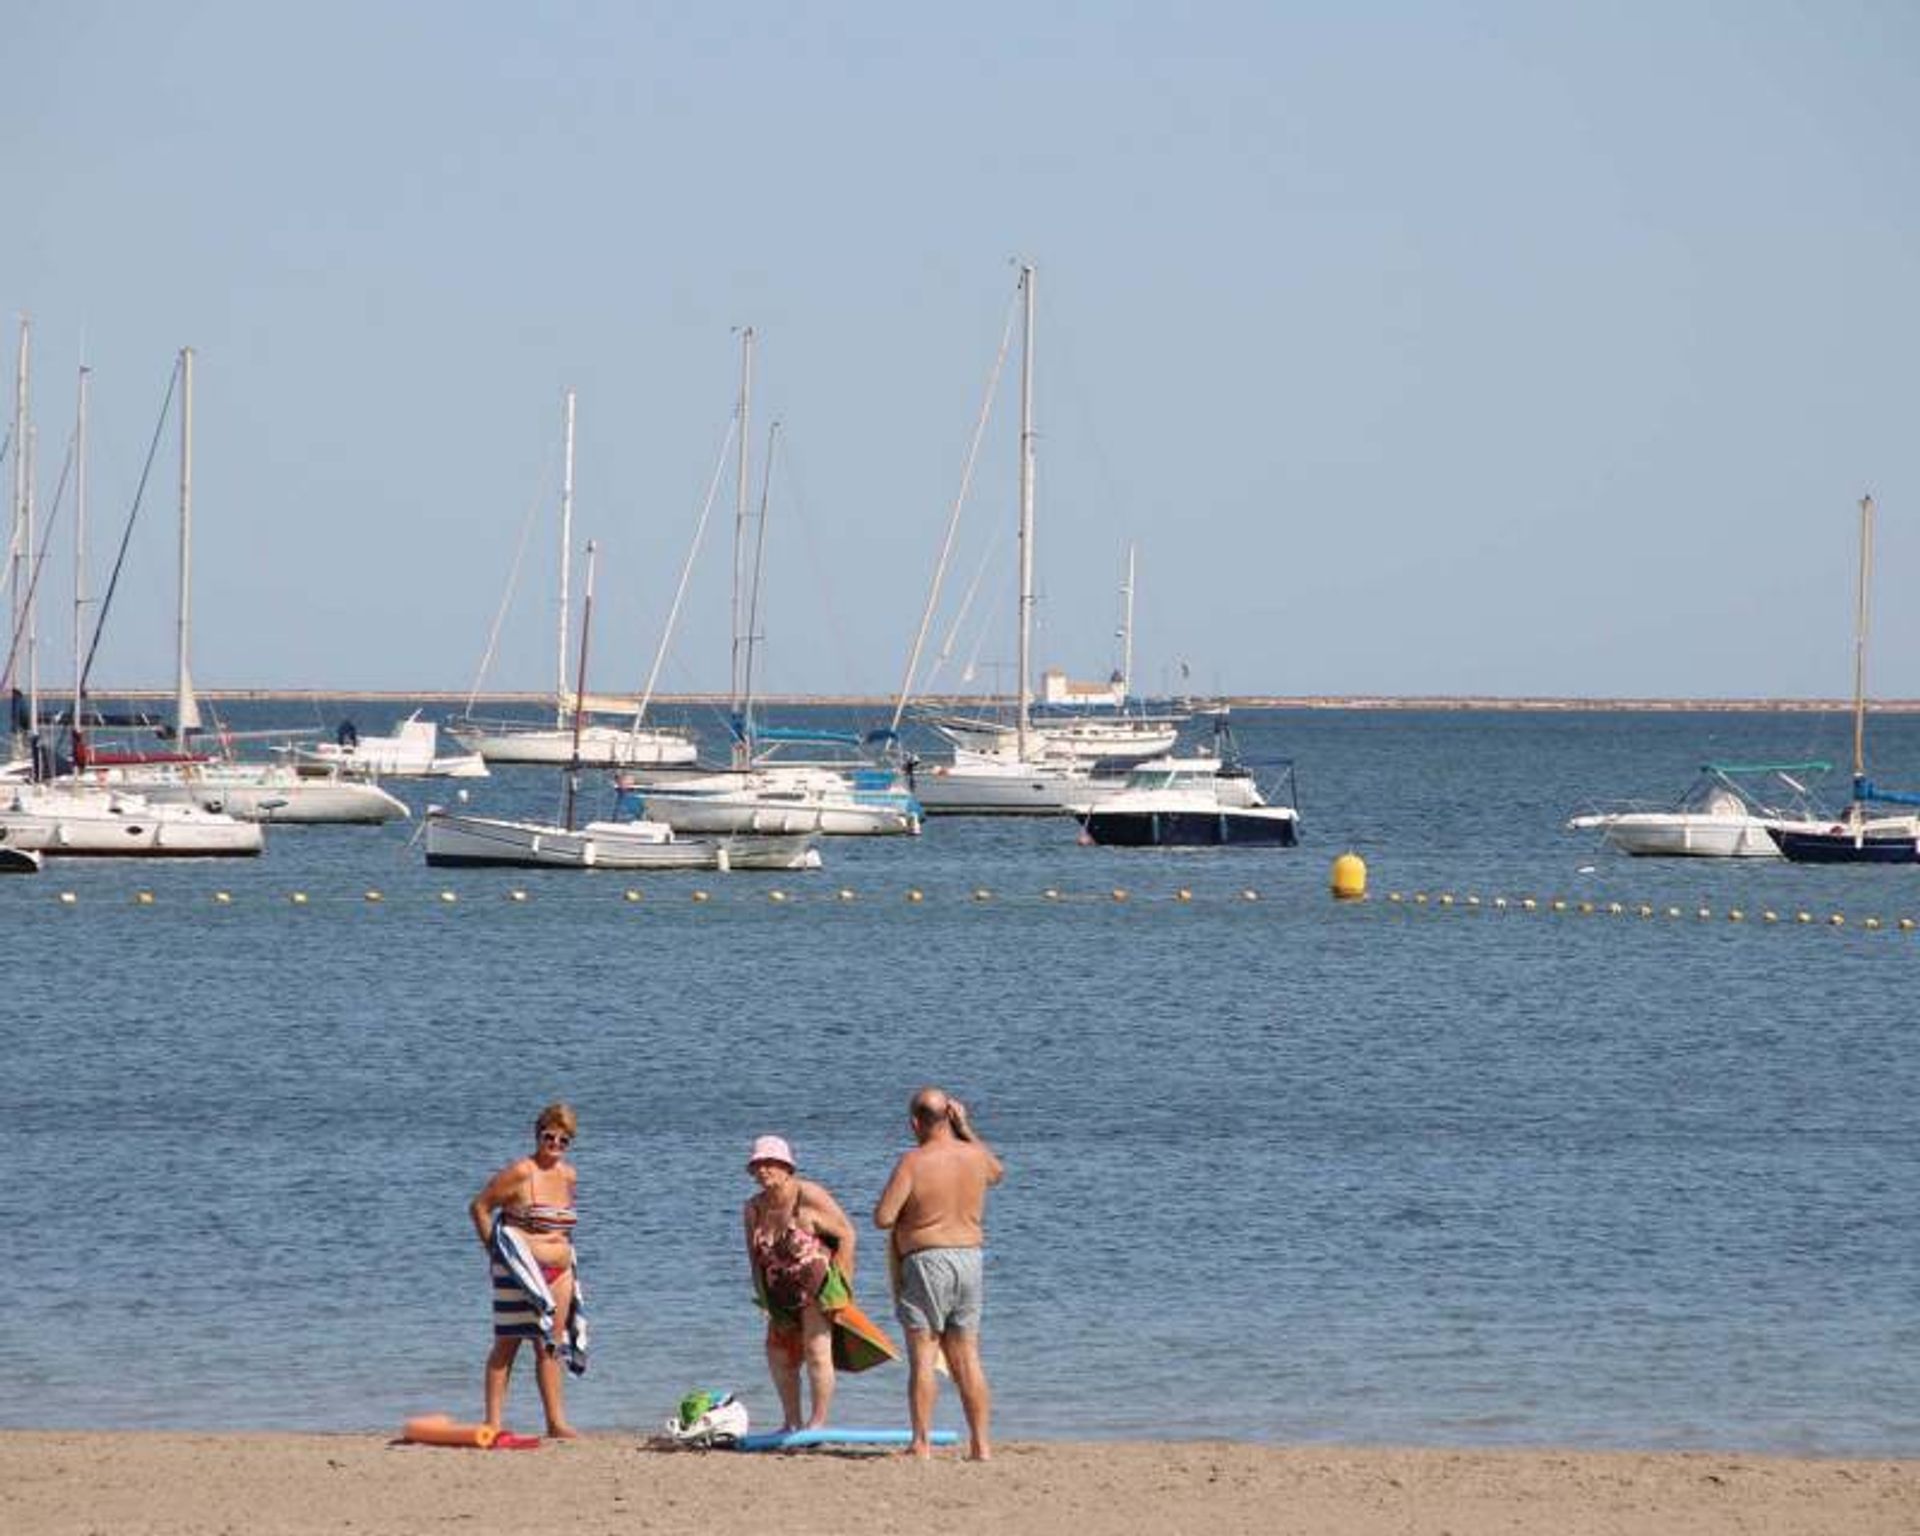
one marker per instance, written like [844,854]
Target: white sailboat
[1085,723]
[1027,780]
[79,817]
[454,838]
[571,738]
[762,792]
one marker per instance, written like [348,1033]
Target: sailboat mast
[184,711]
[738,681]
[30,458]
[1126,635]
[1026,514]
[79,545]
[1860,645]
[566,560]
[586,629]
[21,480]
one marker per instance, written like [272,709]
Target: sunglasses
[555,1139]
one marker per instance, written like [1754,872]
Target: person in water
[525,1219]
[934,1207]
[801,1247]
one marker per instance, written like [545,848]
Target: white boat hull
[601,746]
[1080,741]
[988,787]
[454,840]
[266,792]
[80,823]
[412,752]
[1682,834]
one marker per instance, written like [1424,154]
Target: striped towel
[523,1306]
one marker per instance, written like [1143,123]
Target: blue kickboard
[798,1439]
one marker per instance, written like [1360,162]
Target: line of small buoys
[913,895]
[1704,914]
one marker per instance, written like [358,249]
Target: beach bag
[708,1418]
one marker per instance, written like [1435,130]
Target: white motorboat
[78,820]
[592,745]
[411,752]
[304,794]
[1728,812]
[1191,802]
[453,838]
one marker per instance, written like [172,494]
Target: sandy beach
[278,1484]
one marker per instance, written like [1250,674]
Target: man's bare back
[939,1196]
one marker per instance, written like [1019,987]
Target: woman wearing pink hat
[801,1247]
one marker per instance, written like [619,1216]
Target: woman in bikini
[801,1247]
[536,1197]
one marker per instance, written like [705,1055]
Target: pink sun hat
[771,1149]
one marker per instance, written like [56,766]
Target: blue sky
[1508,349]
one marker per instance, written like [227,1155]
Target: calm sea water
[1278,1169]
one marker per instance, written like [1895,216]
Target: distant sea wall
[978,702]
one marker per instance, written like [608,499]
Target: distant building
[1061,691]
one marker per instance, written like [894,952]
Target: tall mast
[186,716]
[21,481]
[1026,515]
[79,545]
[30,458]
[1126,634]
[738,684]
[586,629]
[566,560]
[1860,646]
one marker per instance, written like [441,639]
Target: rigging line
[952,637]
[953,519]
[513,582]
[39,564]
[126,535]
[686,570]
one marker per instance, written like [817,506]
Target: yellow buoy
[631,895]
[1529,904]
[375,896]
[1559,904]
[1473,901]
[1446,898]
[1872,923]
[449,897]
[846,895]
[1734,915]
[1051,894]
[776,895]
[1118,894]
[1838,920]
[1249,895]
[915,895]
[1394,897]
[516,895]
[1183,894]
[699,895]
[1803,917]
[67,898]
[983,894]
[1906,925]
[1769,916]
[299,898]
[144,898]
[1349,879]
[222,898]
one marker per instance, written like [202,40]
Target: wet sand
[54,1483]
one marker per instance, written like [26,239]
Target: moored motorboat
[412,751]
[1190,802]
[1729,812]
[304,795]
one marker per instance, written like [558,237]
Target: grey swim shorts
[941,1288]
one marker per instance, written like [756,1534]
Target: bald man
[935,1205]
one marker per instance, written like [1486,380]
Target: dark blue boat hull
[1188,829]
[1844,848]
